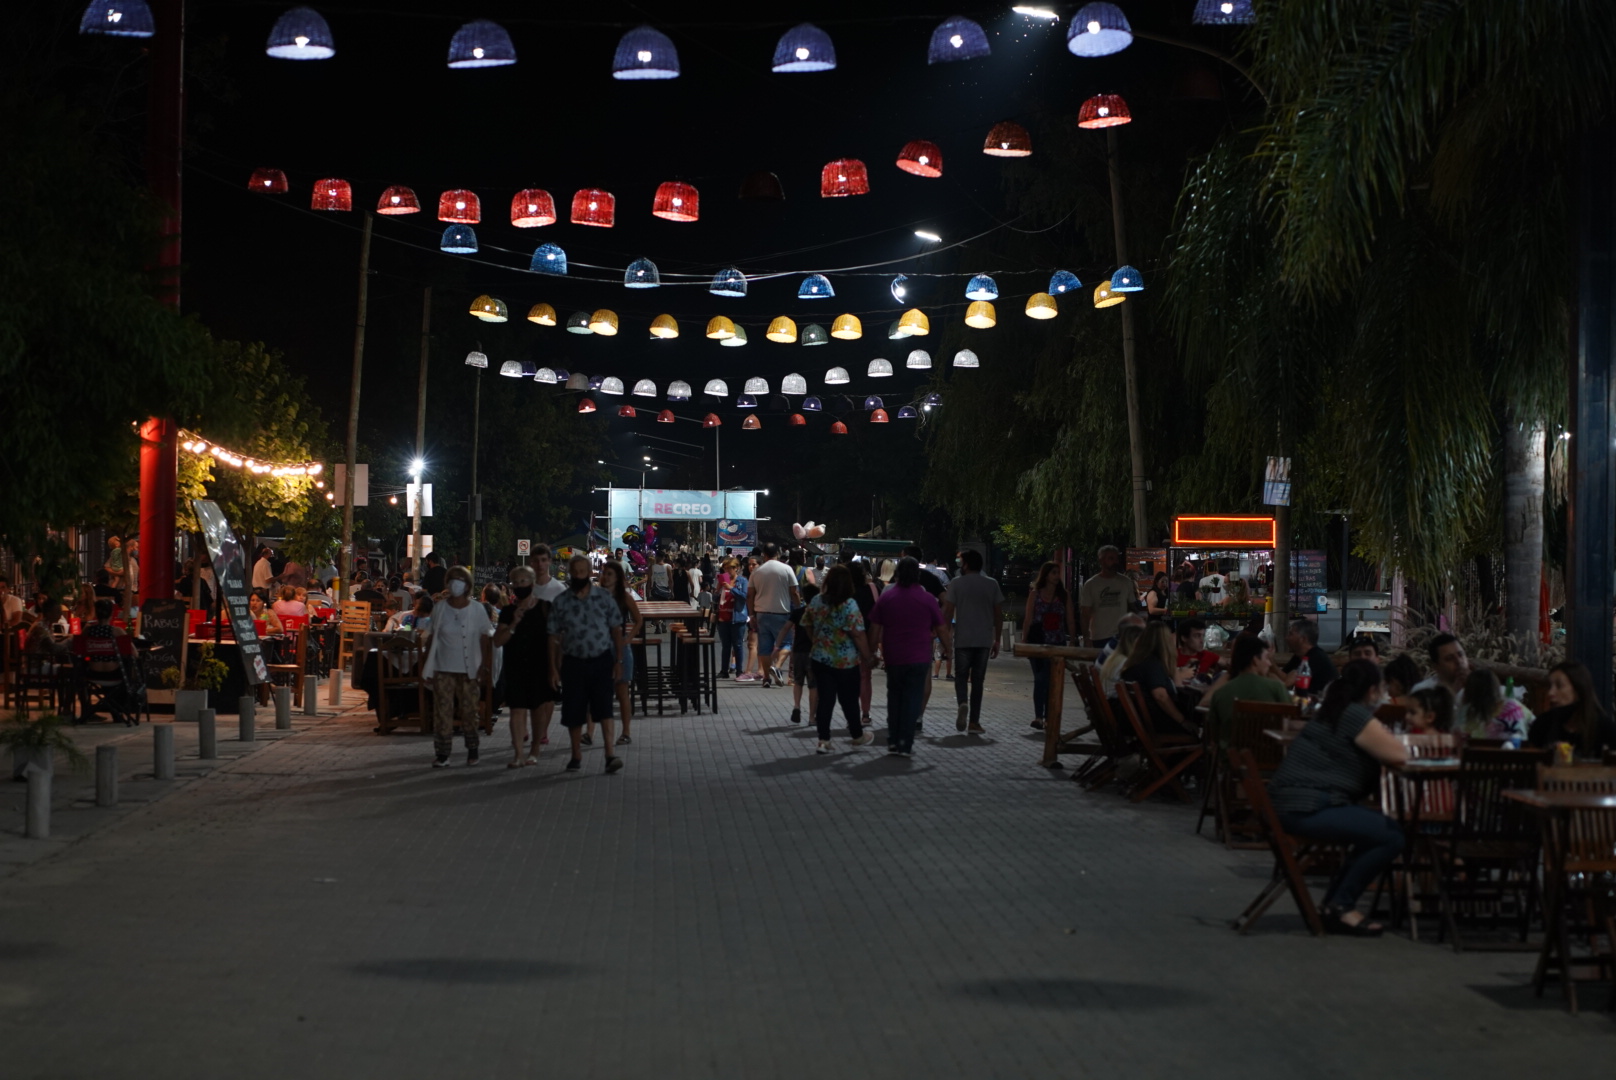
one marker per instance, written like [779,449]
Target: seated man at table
[1302,638]
[108,654]
[1364,647]
[1192,650]
[1250,679]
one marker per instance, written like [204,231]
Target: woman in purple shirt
[903,622]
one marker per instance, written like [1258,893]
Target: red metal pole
[159,454]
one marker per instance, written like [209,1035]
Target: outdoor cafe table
[1555,809]
[1056,656]
[676,674]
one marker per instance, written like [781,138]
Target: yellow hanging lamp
[1040,305]
[1105,296]
[664,326]
[847,328]
[720,328]
[782,330]
[604,322]
[981,315]
[543,314]
[915,323]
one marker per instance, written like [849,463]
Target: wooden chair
[295,670]
[1292,857]
[354,626]
[1494,846]
[1587,851]
[398,682]
[1158,749]
[1436,796]
[1108,748]
[1224,800]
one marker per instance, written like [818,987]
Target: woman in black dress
[525,635]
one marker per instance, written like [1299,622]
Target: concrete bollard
[334,695]
[106,776]
[207,734]
[283,708]
[247,718]
[163,751]
[311,696]
[39,803]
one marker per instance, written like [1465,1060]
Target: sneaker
[796,716]
[613,764]
[623,740]
[822,748]
[471,759]
[974,729]
[587,740]
[746,678]
[440,763]
[864,740]
[1038,724]
[779,676]
[963,717]
[575,764]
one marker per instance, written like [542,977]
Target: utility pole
[471,503]
[420,435]
[353,413]
[1136,444]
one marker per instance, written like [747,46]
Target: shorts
[628,664]
[802,668]
[587,690]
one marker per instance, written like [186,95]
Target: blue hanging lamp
[729,282]
[908,412]
[549,259]
[804,48]
[957,39]
[481,44]
[301,34]
[815,287]
[982,287]
[1223,13]
[459,240]
[118,18]
[642,274]
[1062,281]
[1098,30]
[645,53]
[812,404]
[1127,279]
[933,399]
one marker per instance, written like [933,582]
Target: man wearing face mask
[586,641]
[459,665]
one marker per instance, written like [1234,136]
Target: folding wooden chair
[1108,747]
[1224,793]
[1185,750]
[1494,846]
[398,684]
[354,626]
[295,670]
[1292,858]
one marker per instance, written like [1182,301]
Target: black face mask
[522,592]
[578,584]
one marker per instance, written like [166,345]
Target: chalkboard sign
[491,575]
[164,623]
[1308,577]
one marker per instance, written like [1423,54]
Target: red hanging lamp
[592,206]
[711,420]
[665,416]
[459,207]
[627,412]
[844,176]
[751,423]
[398,200]
[1103,111]
[838,428]
[676,201]
[921,158]
[267,182]
[531,208]
[586,405]
[332,195]
[1007,139]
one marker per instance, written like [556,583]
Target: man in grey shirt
[975,604]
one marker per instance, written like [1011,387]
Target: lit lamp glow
[1104,297]
[815,287]
[459,240]
[331,194]
[846,328]
[921,158]
[592,206]
[119,18]
[645,53]
[1007,139]
[549,259]
[398,200]
[481,44]
[267,182]
[844,176]
[1041,305]
[916,324]
[532,208]
[728,282]
[957,39]
[1098,30]
[781,330]
[300,34]
[804,48]
[642,274]
[676,201]
[981,316]
[664,327]
[542,314]
[1103,111]
[603,322]
[719,328]
[460,207]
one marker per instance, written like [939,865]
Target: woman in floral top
[840,645]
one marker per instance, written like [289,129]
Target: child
[1430,711]
[802,647]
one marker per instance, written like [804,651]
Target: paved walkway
[730,905]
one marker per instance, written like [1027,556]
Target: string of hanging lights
[193,443]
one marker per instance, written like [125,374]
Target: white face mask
[457,587]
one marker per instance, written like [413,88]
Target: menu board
[230,568]
[1309,578]
[163,623]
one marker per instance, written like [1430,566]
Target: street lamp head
[416,467]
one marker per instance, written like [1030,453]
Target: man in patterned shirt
[586,641]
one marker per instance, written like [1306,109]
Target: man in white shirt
[771,594]
[1104,598]
[263,572]
[1450,667]
[11,605]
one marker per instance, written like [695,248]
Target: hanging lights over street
[642,274]
[300,34]
[676,201]
[1041,306]
[1127,280]
[268,182]
[804,48]
[592,206]
[460,207]
[398,200]
[844,176]
[459,240]
[645,53]
[331,194]
[921,158]
[1007,139]
[1103,111]
[532,208]
[481,44]
[549,259]
[728,282]
[1098,30]
[118,18]
[957,39]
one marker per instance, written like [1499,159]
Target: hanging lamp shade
[815,287]
[1007,139]
[531,208]
[300,34]
[592,206]
[793,384]
[838,428]
[1105,296]
[549,259]
[587,405]
[981,315]
[745,401]
[957,39]
[119,18]
[1223,13]
[644,388]
[578,323]
[982,287]
[460,207]
[804,48]
[267,182]
[921,158]
[879,416]
[679,390]
[844,176]
[563,377]
[919,360]
[676,201]
[578,381]
[529,369]
[897,331]
[596,381]
[751,423]
[728,282]
[542,314]
[719,328]
[645,53]
[933,399]
[847,328]
[711,420]
[837,376]
[665,417]
[331,194]
[476,359]
[756,385]
[908,412]
[797,420]
[481,44]
[511,369]
[1127,279]
[782,330]
[1103,111]
[814,334]
[611,384]
[603,322]
[762,187]
[626,412]
[1062,281]
[900,287]
[872,403]
[812,404]
[1040,305]
[879,369]
[1098,30]
[916,324]
[967,359]
[459,240]
[490,309]
[664,327]
[737,341]
[398,200]
[641,274]
[716,388]
[545,375]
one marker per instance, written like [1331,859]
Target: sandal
[530,760]
[1335,924]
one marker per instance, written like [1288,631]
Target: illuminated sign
[1223,530]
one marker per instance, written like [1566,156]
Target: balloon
[798,531]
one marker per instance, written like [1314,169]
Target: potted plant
[34,741]
[191,694]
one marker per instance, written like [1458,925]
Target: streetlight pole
[472,507]
[1136,445]
[353,413]
[419,464]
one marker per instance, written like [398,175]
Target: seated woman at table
[1487,713]
[1574,715]
[1151,664]
[1327,772]
[1249,680]
[260,613]
[1430,711]
[418,618]
[1128,635]
[289,604]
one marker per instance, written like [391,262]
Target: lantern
[120,18]
[815,287]
[1127,279]
[782,330]
[804,48]
[511,369]
[563,376]
[331,195]
[716,388]
[545,375]
[737,341]
[665,416]
[957,39]
[729,282]
[398,200]
[645,53]
[797,420]
[481,44]
[919,360]
[897,331]
[846,328]
[872,402]
[837,376]
[489,309]
[664,327]
[1040,305]
[1008,139]
[1098,30]
[461,207]
[603,322]
[745,401]
[844,176]
[751,423]
[814,334]
[908,412]
[838,428]
[626,412]
[587,405]
[267,182]
[879,369]
[981,287]
[542,314]
[612,385]
[811,404]
[596,381]
[916,324]
[900,288]
[592,206]
[676,201]
[678,390]
[762,187]
[793,384]
[1103,111]
[476,359]
[1105,296]
[549,259]
[921,158]
[719,328]
[1223,13]
[641,274]
[756,385]
[578,323]
[879,416]
[1063,281]
[300,34]
[981,315]
[459,240]
[711,420]
[967,359]
[644,388]
[531,208]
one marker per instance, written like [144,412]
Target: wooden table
[1056,655]
[669,609]
[1556,808]
[683,669]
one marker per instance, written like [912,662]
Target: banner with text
[230,568]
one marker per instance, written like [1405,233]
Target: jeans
[1040,686]
[970,672]
[1375,838]
[906,692]
[837,684]
[769,627]
[732,645]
